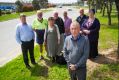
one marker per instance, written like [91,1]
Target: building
[82,2]
[7,4]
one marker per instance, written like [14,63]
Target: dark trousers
[79,74]
[28,47]
[93,49]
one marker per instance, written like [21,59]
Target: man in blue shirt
[25,37]
[76,52]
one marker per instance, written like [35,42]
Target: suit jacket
[80,19]
[59,22]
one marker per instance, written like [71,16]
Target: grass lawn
[108,34]
[106,72]
[16,15]
[45,70]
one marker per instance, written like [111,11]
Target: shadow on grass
[112,16]
[106,72]
[39,71]
[107,59]
[49,63]
[109,68]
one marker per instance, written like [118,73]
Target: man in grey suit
[76,52]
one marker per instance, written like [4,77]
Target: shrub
[27,8]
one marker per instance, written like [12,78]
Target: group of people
[77,40]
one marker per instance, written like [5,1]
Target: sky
[51,1]
[62,1]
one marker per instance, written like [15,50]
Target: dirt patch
[105,57]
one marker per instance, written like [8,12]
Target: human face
[55,15]
[81,12]
[51,23]
[75,29]
[65,14]
[23,19]
[91,14]
[40,15]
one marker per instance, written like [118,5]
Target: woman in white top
[52,39]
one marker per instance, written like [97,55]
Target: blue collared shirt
[76,51]
[24,32]
[78,37]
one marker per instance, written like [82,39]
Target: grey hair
[75,23]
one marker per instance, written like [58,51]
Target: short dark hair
[51,19]
[93,10]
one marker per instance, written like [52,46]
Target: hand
[72,67]
[81,32]
[86,31]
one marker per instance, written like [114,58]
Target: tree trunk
[101,7]
[109,18]
[109,11]
[103,14]
[117,5]
[0,12]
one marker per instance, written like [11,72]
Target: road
[9,48]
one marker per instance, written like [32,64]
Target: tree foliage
[36,4]
[19,6]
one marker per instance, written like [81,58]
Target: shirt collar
[78,37]
[66,18]
[24,23]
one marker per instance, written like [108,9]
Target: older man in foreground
[76,52]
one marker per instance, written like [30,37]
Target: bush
[3,12]
[8,12]
[27,8]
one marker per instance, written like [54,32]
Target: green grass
[45,70]
[106,72]
[16,70]
[108,34]
[16,15]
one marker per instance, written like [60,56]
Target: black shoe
[28,66]
[53,60]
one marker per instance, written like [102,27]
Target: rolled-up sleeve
[18,39]
[84,58]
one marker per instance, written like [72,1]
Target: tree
[36,4]
[109,10]
[103,8]
[43,3]
[0,12]
[117,6]
[19,6]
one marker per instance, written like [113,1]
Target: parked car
[69,9]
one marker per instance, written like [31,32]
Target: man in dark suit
[80,19]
